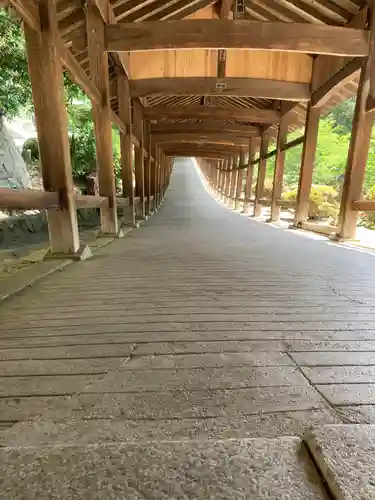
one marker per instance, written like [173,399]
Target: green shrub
[30,150]
[323,202]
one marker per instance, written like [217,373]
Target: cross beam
[251,87]
[237,34]
[229,139]
[254,115]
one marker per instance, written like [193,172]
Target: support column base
[338,238]
[84,252]
[120,234]
[237,205]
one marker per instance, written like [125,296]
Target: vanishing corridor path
[202,323]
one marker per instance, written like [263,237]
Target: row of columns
[151,168]
[228,180]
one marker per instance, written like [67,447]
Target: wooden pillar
[154,152]
[126,144]
[240,177]
[278,175]
[221,177]
[261,174]
[217,174]
[98,63]
[147,173]
[51,122]
[230,180]
[357,158]
[307,165]
[159,194]
[233,182]
[139,158]
[249,178]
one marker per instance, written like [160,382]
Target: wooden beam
[227,148]
[225,8]
[363,205]
[28,199]
[238,34]
[293,143]
[90,201]
[254,115]
[102,114]
[28,11]
[307,165]
[206,128]
[261,175]
[196,153]
[246,87]
[52,126]
[323,94]
[208,138]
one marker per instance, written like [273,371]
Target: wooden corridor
[201,324]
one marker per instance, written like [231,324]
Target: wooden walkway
[201,323]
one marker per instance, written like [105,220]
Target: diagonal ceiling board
[191,8]
[146,11]
[253,8]
[278,9]
[131,6]
[307,8]
[334,8]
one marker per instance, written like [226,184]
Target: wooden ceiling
[183,79]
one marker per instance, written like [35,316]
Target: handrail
[27,199]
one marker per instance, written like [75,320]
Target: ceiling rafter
[278,9]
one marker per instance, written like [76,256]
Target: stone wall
[22,230]
[13,170]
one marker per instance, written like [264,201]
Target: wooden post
[249,178]
[154,152]
[98,62]
[139,157]
[159,194]
[126,144]
[152,174]
[51,122]
[357,158]
[261,174]
[240,177]
[278,175]
[217,174]
[307,165]
[233,182]
[148,169]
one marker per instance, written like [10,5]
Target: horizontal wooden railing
[33,199]
[286,203]
[27,199]
[90,201]
[364,205]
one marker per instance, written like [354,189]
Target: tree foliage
[15,86]
[15,89]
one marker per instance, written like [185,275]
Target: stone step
[345,454]
[224,469]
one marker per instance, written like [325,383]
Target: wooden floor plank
[201,323]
